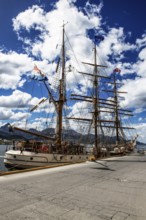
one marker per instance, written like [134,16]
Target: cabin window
[14,156]
[31,158]
[61,157]
[70,157]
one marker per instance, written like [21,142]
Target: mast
[116,110]
[95,102]
[117,121]
[62,95]
[59,102]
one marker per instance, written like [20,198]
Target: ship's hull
[26,159]
[123,148]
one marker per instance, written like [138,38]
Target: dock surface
[113,189]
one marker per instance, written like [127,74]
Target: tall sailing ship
[47,149]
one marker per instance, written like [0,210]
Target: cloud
[141,64]
[45,42]
[136,93]
[20,116]
[114,44]
[32,17]
[37,123]
[5,113]
[18,99]
[16,105]
[135,98]
[12,66]
[141,42]
[8,114]
[138,110]
[140,128]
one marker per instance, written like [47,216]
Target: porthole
[31,158]
[14,156]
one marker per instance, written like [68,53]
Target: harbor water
[3,149]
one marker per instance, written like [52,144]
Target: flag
[42,76]
[39,78]
[38,70]
[117,70]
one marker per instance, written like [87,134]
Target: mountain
[6,134]
[140,143]
[70,135]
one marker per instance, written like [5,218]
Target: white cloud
[15,106]
[141,42]
[138,110]
[114,45]
[29,18]
[37,123]
[140,128]
[92,9]
[140,119]
[20,116]
[16,100]
[141,64]
[65,11]
[12,67]
[8,114]
[136,93]
[87,18]
[5,113]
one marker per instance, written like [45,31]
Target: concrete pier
[111,189]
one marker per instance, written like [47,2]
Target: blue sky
[31,30]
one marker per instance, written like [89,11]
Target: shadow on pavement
[123,161]
[103,168]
